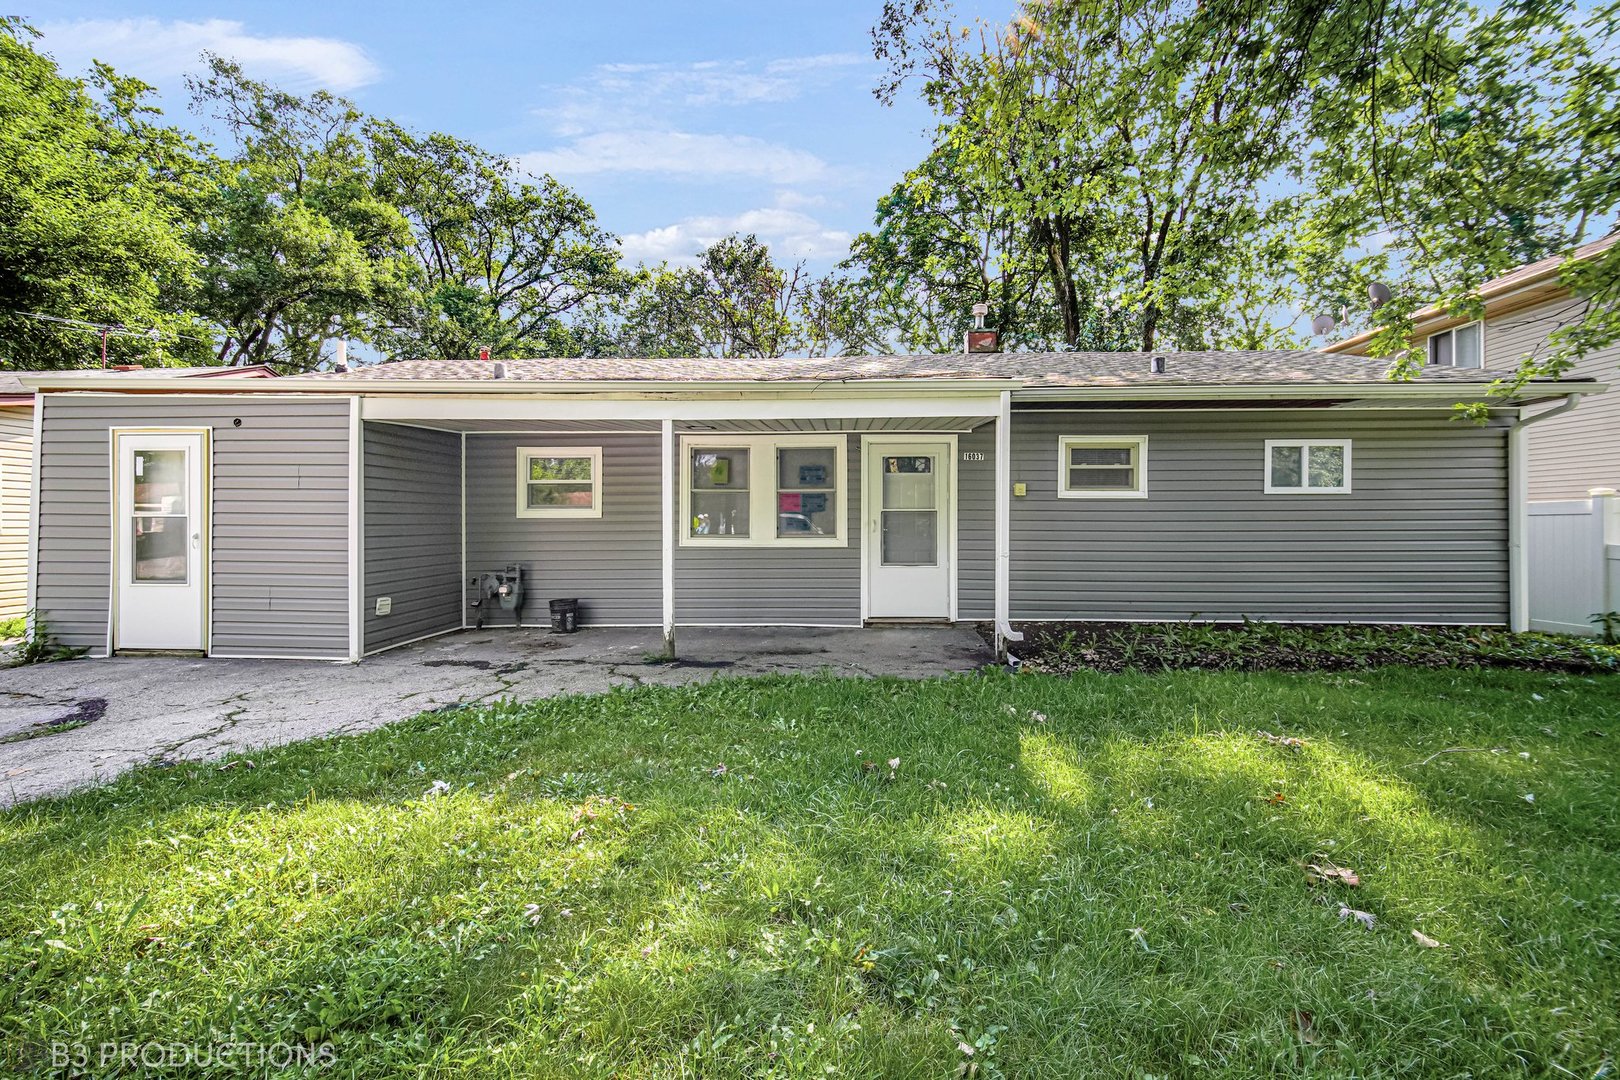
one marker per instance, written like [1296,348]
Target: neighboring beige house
[1568,455]
[17,473]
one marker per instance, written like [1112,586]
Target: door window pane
[161,548]
[160,481]
[908,483]
[909,538]
[1285,466]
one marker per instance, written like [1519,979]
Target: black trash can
[564,616]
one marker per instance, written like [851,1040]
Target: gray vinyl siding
[412,522]
[612,564]
[280,562]
[1422,538]
[776,585]
[976,524]
[16,484]
[1569,455]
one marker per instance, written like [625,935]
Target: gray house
[333,516]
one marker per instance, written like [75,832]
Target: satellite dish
[1322,324]
[1379,294]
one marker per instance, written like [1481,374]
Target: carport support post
[1004,631]
[668,520]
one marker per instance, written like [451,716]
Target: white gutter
[1518,454]
[1004,630]
[1457,391]
[519,387]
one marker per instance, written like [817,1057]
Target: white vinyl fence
[1574,555]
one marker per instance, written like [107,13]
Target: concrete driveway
[85,721]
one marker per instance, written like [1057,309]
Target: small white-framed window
[1102,467]
[1460,347]
[763,491]
[559,481]
[1307,466]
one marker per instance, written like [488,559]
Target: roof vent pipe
[1158,365]
[500,370]
[978,339]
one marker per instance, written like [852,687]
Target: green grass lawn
[1089,876]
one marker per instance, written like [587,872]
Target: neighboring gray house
[1570,454]
[333,516]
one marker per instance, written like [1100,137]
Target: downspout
[1519,513]
[1004,631]
[667,523]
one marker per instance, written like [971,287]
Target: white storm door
[908,523]
[160,564]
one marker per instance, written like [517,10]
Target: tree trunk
[1054,238]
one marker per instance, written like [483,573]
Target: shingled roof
[1033,369]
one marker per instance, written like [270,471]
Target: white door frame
[871,443]
[205,526]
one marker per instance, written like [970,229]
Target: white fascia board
[749,407]
[508,387]
[1455,392]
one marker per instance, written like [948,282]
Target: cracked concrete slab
[66,725]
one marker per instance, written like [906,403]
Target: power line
[106,330]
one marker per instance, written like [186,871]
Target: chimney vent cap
[1158,365]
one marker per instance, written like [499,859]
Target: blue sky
[680,123]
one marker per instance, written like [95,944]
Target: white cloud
[790,234]
[678,154]
[623,95]
[160,52]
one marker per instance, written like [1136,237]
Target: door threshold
[908,621]
[193,654]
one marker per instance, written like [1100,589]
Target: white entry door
[908,524]
[161,559]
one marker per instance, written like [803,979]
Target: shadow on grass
[728,880]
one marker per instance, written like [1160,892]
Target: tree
[1128,145]
[736,302]
[940,245]
[1470,142]
[295,247]
[93,193]
[497,260]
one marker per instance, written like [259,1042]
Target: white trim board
[763,478]
[953,460]
[114,520]
[357,528]
[823,406]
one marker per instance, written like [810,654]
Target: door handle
[196,539]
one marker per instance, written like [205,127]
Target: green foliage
[40,645]
[295,246]
[1088,876]
[13,628]
[1467,140]
[736,301]
[94,194]
[1264,646]
[1102,165]
[497,260]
